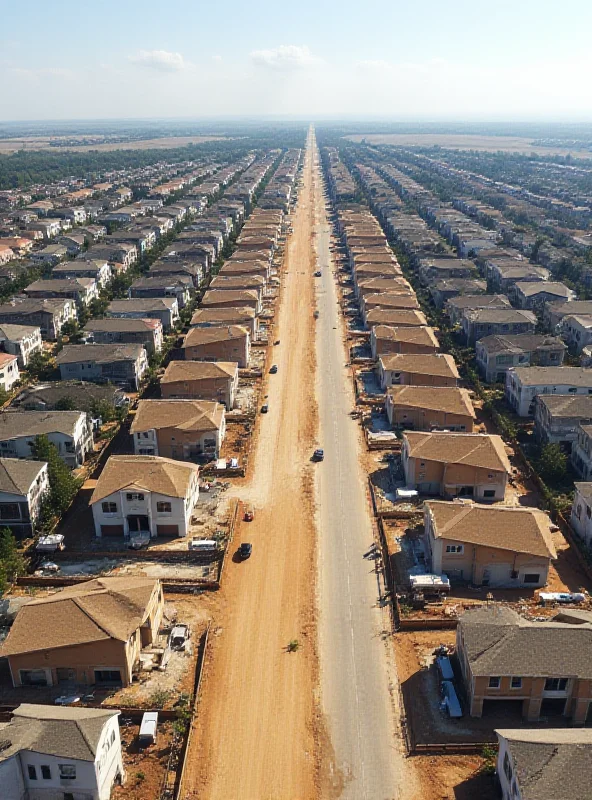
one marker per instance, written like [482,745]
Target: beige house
[228,343]
[201,380]
[497,546]
[395,318]
[387,339]
[90,633]
[456,464]
[388,300]
[411,369]
[178,429]
[426,408]
[223,317]
[240,298]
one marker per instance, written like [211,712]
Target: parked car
[318,273]
[318,454]
[249,514]
[245,550]
[179,636]
[264,408]
[274,369]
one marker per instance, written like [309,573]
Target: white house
[9,371]
[23,484]
[21,341]
[576,329]
[581,512]
[145,494]
[69,431]
[59,752]
[523,384]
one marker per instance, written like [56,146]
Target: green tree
[552,463]
[63,486]
[65,403]
[40,366]
[12,562]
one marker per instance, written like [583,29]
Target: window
[516,683]
[588,512]
[32,772]
[507,766]
[164,508]
[67,772]
[9,511]
[556,684]
[572,390]
[45,772]
[532,577]
[495,682]
[109,508]
[489,493]
[455,548]
[134,496]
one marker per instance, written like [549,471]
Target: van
[203,545]
[148,727]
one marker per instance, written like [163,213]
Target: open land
[8,146]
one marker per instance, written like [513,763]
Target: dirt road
[258,725]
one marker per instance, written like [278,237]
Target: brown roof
[446,398]
[404,299]
[94,611]
[222,315]
[419,335]
[144,473]
[473,449]
[198,370]
[520,530]
[186,415]
[223,333]
[440,364]
[396,316]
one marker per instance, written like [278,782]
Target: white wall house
[145,494]
[23,485]
[581,512]
[9,371]
[69,431]
[21,341]
[523,384]
[55,753]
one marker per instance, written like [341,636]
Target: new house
[49,315]
[60,752]
[81,290]
[69,431]
[581,511]
[481,322]
[122,330]
[78,395]
[145,494]
[523,384]
[165,309]
[581,452]
[544,667]
[496,546]
[244,298]
[23,485]
[534,296]
[457,306]
[201,380]
[577,331]
[427,408]
[456,464]
[223,317]
[228,343]
[21,341]
[395,318]
[88,634]
[385,339]
[179,429]
[122,364]
[498,353]
[9,371]
[437,369]
[557,417]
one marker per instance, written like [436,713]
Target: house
[58,752]
[503,276]
[395,318]
[581,511]
[73,242]
[6,254]
[90,634]
[496,546]
[243,298]
[122,330]
[48,228]
[581,452]
[50,256]
[122,364]
[577,331]
[96,268]
[21,341]
[437,269]
[9,371]
[457,306]
[497,353]
[49,315]
[557,417]
[411,369]
[178,429]
[478,323]
[222,317]
[232,343]
[145,494]
[77,395]
[166,309]
[224,282]
[544,762]
[544,666]
[201,380]
[178,286]
[443,290]
[554,313]
[23,485]
[384,339]
[82,290]
[523,384]
[456,464]
[426,408]
[534,296]
[377,285]
[69,431]
[388,301]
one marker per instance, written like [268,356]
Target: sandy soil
[460,141]
[8,146]
[258,718]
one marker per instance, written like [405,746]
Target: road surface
[354,642]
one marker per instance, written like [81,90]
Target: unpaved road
[354,628]
[258,726]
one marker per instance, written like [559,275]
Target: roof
[223,315]
[13,332]
[17,475]
[144,473]
[500,315]
[14,424]
[405,299]
[135,304]
[33,305]
[446,398]
[530,288]
[517,529]
[479,301]
[396,316]
[520,343]
[60,284]
[498,641]
[559,376]
[122,324]
[198,370]
[186,415]
[6,358]
[440,364]
[98,353]
[584,487]
[420,334]
[72,733]
[228,296]
[84,394]
[223,333]
[482,450]
[578,406]
[93,611]
[551,763]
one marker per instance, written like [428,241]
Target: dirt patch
[145,769]
[454,778]
[8,146]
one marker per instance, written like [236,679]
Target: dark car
[245,550]
[318,455]
[318,273]
[264,408]
[274,369]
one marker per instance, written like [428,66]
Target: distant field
[8,146]
[462,141]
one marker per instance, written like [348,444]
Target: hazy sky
[461,59]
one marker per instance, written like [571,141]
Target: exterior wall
[392,378]
[9,375]
[581,517]
[227,350]
[521,398]
[424,420]
[381,347]
[220,389]
[447,480]
[72,449]
[24,348]
[150,340]
[27,506]
[11,779]
[179,444]
[475,330]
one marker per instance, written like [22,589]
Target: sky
[403,59]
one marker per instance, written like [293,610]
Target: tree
[40,366]
[552,463]
[12,563]
[63,486]
[65,403]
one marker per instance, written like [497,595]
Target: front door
[138,522]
